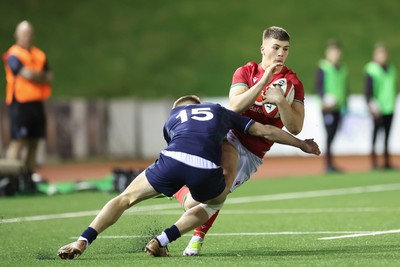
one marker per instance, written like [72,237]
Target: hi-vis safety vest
[335,81]
[19,87]
[384,86]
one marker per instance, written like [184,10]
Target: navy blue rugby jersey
[200,129]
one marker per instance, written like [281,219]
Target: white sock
[84,239]
[163,239]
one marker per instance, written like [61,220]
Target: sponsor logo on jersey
[256,109]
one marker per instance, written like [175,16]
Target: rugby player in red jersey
[243,154]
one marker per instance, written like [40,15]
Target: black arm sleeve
[369,87]
[319,84]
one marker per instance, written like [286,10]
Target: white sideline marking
[85,213]
[283,211]
[284,196]
[361,234]
[319,193]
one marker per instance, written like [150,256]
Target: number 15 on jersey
[198,114]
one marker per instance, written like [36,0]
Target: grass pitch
[327,220]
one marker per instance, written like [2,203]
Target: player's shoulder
[248,67]
[211,105]
[217,106]
[291,75]
[251,65]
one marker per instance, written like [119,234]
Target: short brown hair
[187,99]
[333,43]
[276,32]
[380,45]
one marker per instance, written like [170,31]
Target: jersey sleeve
[240,122]
[298,89]
[240,77]
[299,92]
[166,134]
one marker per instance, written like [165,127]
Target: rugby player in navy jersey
[194,133]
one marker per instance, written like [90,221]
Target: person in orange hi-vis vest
[28,85]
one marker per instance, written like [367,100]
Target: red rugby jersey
[248,75]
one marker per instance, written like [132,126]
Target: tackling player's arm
[241,97]
[278,135]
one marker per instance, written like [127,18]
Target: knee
[211,209]
[124,200]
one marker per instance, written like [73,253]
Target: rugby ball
[271,110]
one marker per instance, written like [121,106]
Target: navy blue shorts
[168,175]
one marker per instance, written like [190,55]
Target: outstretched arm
[278,135]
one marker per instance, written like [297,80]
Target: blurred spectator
[332,87]
[380,93]
[28,85]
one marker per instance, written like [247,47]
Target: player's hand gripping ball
[271,110]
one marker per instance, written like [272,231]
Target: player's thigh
[220,199]
[139,189]
[247,164]
[229,162]
[189,202]
[204,184]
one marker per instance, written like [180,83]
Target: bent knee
[125,200]
[211,209]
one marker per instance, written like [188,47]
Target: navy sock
[90,234]
[172,233]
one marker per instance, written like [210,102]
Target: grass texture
[276,222]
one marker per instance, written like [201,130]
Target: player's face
[274,51]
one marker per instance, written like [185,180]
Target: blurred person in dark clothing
[380,93]
[332,87]
[28,85]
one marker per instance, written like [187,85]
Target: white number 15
[198,114]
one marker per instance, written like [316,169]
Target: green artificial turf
[276,222]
